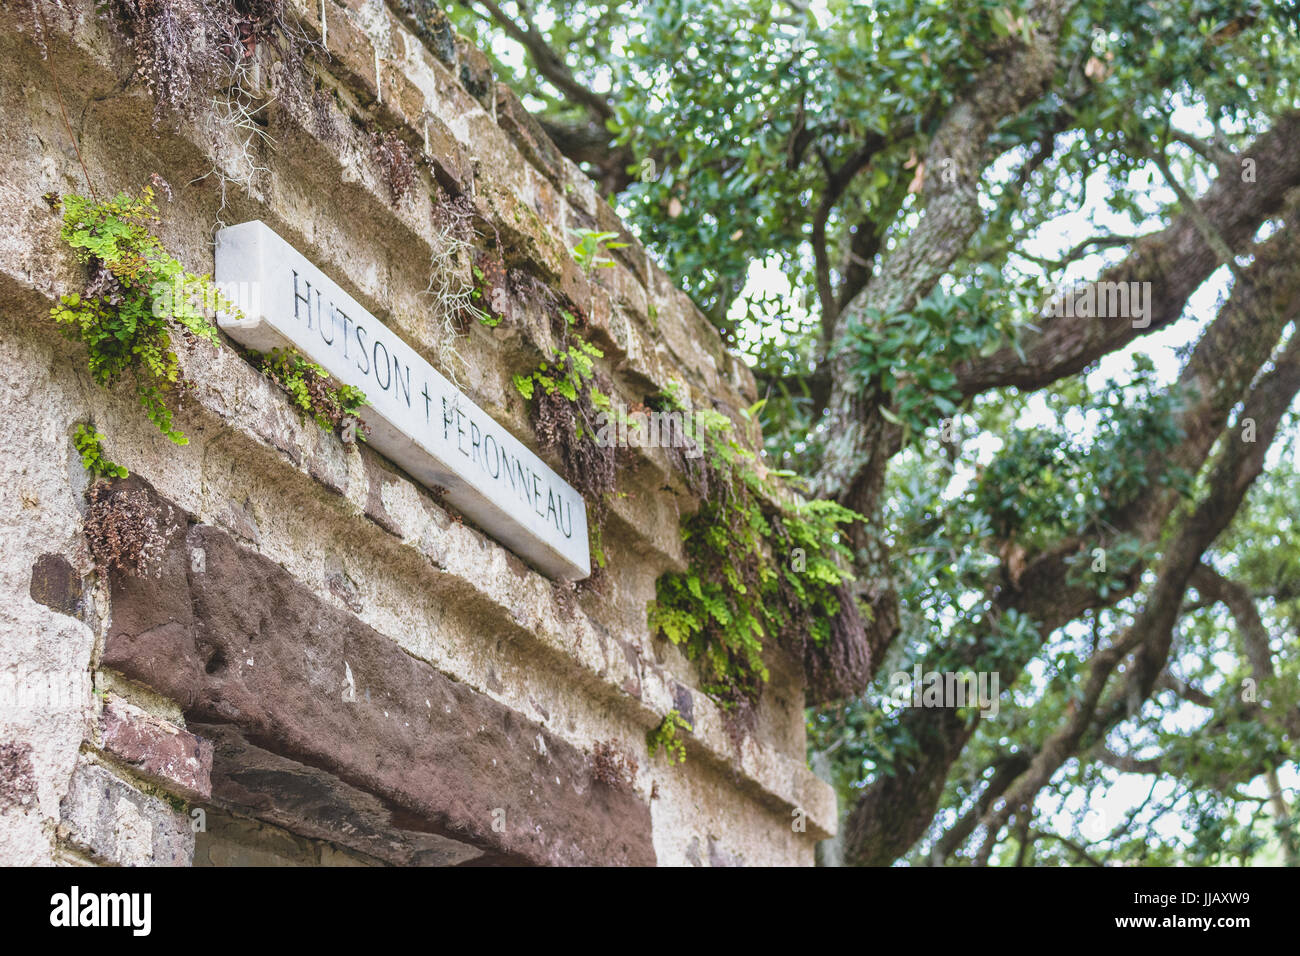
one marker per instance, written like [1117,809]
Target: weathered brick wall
[327,664]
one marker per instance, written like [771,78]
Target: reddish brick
[434,752]
[174,758]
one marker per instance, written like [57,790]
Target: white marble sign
[418,419]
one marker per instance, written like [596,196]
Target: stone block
[428,22]
[475,72]
[116,823]
[352,51]
[450,163]
[56,584]
[528,135]
[243,644]
[157,749]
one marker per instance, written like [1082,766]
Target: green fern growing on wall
[137,300]
[329,402]
[763,565]
[89,444]
[568,373]
[665,737]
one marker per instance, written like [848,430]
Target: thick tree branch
[1241,605]
[1170,682]
[1238,466]
[853,466]
[1005,771]
[1175,261]
[549,63]
[1019,74]
[1127,763]
[837,181]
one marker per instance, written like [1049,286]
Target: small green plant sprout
[480,302]
[330,403]
[589,252]
[137,299]
[489,301]
[750,414]
[567,373]
[566,402]
[665,737]
[89,445]
[596,539]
